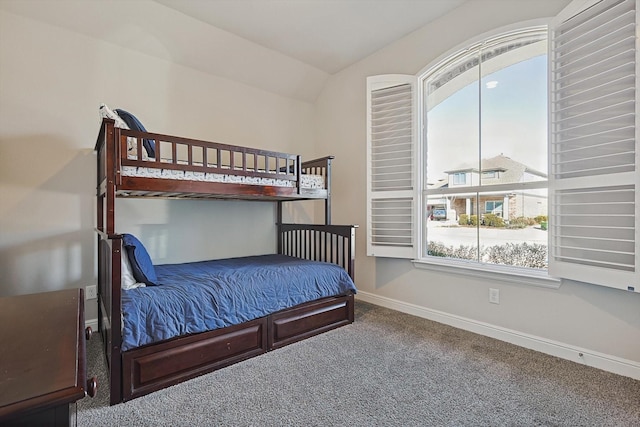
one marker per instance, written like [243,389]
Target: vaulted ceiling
[289,47]
[327,34]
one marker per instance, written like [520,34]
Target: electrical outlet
[494,296]
[91,292]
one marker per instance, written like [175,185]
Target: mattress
[306,181]
[207,295]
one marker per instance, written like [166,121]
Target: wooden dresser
[43,358]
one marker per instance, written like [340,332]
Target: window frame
[491,272]
[460,178]
[495,202]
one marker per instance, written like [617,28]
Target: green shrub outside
[493,220]
[540,218]
[520,222]
[530,255]
[461,252]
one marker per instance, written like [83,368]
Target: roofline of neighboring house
[477,170]
[462,170]
[535,172]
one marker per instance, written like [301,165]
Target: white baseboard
[587,357]
[93,323]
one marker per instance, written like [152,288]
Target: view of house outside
[486,155]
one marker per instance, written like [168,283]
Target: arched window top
[481,58]
[466,59]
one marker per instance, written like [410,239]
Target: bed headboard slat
[317,242]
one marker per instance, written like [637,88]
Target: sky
[514,120]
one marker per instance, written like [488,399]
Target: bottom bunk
[204,324]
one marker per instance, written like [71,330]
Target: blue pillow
[141,264]
[134,124]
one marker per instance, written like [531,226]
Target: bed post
[352,254]
[279,225]
[299,173]
[101,176]
[327,201]
[115,367]
[112,136]
[109,309]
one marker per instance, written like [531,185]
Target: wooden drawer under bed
[160,365]
[156,366]
[316,317]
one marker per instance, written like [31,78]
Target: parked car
[439,214]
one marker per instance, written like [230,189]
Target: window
[480,162]
[485,109]
[493,207]
[459,178]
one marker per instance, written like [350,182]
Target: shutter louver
[390,166]
[593,170]
[391,139]
[391,221]
[597,227]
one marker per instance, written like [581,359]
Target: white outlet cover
[494,296]
[91,292]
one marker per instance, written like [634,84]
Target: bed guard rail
[185,154]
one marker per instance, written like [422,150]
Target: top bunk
[133,163]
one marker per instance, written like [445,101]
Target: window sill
[490,272]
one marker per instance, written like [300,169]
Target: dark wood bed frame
[140,371]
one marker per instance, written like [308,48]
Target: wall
[602,323]
[52,82]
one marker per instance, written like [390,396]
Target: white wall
[603,321]
[52,82]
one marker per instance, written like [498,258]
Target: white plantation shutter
[391,166]
[594,178]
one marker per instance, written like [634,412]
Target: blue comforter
[201,296]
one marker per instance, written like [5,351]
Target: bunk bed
[183,168]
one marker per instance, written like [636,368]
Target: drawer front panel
[156,367]
[297,324]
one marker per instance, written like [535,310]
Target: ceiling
[327,34]
[287,47]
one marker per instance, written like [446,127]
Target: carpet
[386,369]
